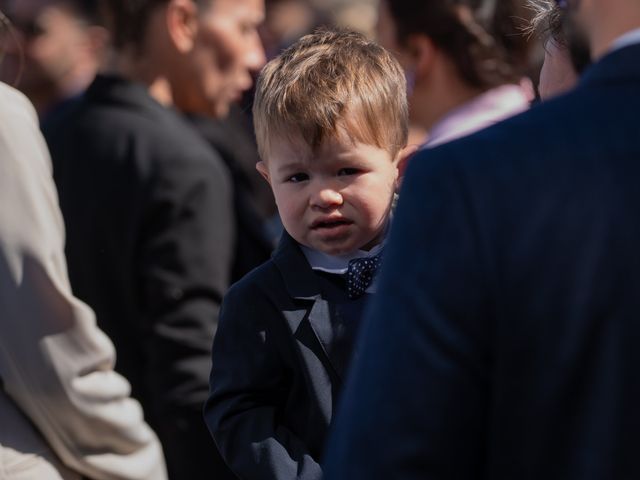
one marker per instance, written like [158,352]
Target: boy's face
[335,200]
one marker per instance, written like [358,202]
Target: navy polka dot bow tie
[360,274]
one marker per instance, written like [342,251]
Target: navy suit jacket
[281,349]
[503,342]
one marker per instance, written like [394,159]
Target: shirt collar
[482,111]
[630,38]
[336,263]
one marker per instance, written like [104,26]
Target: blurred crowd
[145,110]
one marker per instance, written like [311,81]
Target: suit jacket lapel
[302,284]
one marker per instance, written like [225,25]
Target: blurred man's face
[227,52]
[50,37]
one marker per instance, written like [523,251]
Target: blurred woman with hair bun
[465,62]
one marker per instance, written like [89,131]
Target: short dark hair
[127,20]
[87,9]
[483,38]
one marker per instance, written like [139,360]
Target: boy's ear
[403,157]
[264,171]
[182,23]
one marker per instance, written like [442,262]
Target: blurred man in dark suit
[148,204]
[240,56]
[503,343]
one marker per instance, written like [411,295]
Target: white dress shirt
[338,264]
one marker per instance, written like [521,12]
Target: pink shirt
[483,111]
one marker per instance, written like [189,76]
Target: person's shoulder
[545,126]
[260,284]
[20,135]
[14,103]
[258,300]
[283,277]
[172,146]
[118,109]
[11,96]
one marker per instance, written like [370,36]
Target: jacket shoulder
[262,284]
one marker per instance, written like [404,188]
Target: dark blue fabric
[503,341]
[281,350]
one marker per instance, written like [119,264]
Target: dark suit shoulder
[168,138]
[561,128]
[117,120]
[263,284]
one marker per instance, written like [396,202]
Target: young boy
[331,122]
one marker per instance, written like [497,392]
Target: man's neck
[613,19]
[134,67]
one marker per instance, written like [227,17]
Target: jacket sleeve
[248,387]
[186,254]
[55,364]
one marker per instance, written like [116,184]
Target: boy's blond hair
[327,81]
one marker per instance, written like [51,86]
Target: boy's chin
[330,248]
[337,252]
[345,248]
[339,242]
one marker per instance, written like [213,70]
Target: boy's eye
[348,171]
[298,177]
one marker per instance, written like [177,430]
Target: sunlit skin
[557,75]
[335,200]
[227,51]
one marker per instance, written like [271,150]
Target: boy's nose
[326,198]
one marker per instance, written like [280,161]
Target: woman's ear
[182,23]
[421,52]
[264,171]
[402,159]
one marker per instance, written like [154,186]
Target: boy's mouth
[329,223]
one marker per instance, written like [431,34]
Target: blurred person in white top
[465,62]
[64,412]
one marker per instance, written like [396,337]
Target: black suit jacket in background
[282,348]
[149,218]
[252,196]
[503,342]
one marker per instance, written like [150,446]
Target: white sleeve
[55,364]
